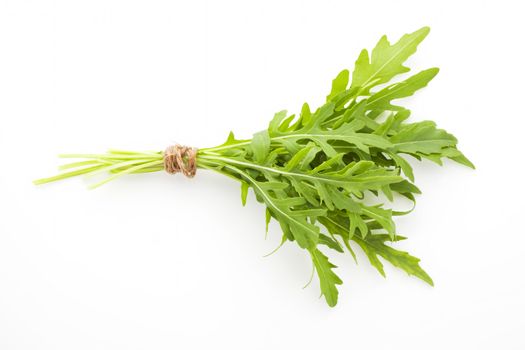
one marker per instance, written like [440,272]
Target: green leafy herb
[322,174]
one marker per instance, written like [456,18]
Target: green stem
[127,171]
[67,175]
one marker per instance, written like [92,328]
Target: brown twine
[179,158]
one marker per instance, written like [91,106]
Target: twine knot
[179,158]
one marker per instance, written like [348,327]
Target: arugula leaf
[374,246]
[383,98]
[422,138]
[339,84]
[261,145]
[327,278]
[386,60]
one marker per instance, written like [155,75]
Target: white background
[163,262]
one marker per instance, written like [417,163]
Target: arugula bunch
[322,174]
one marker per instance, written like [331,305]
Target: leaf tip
[434,71]
[425,278]
[423,30]
[244,192]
